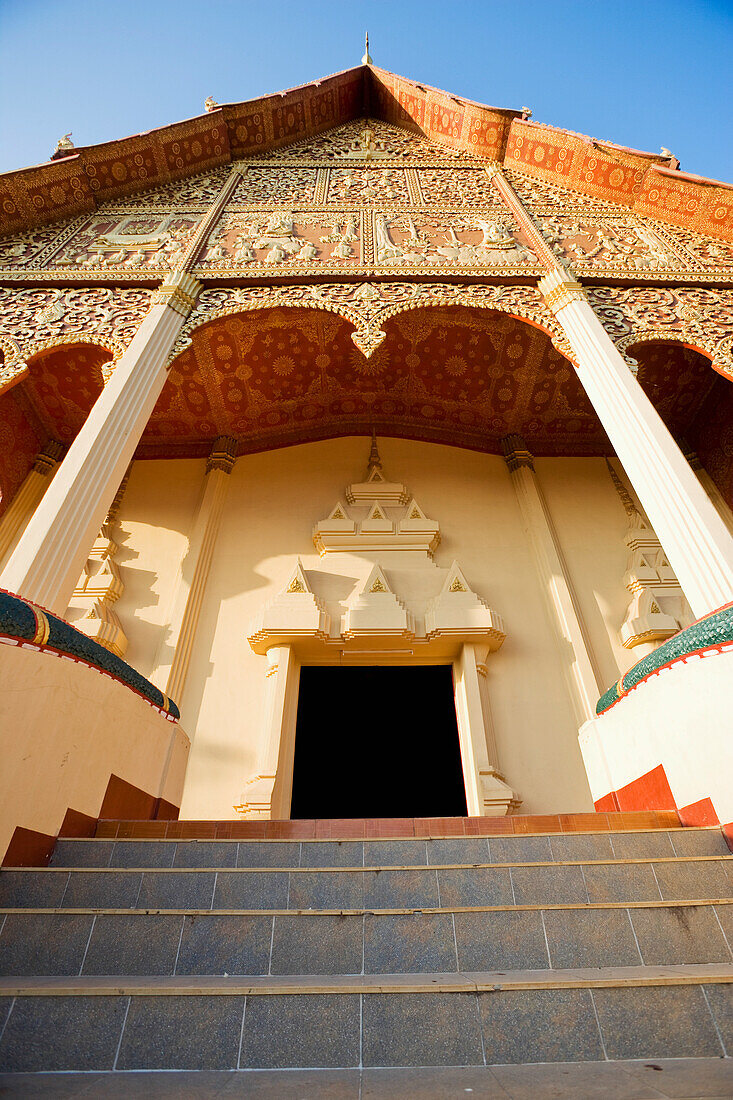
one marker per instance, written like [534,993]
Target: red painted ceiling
[454,376]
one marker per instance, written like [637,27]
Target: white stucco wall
[273,501]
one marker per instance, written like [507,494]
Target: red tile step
[367,828]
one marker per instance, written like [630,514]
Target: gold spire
[366,59]
[375,462]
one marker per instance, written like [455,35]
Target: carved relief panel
[119,238]
[273,239]
[291,186]
[445,186]
[612,243]
[449,240]
[368,185]
[128,241]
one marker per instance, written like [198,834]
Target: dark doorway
[377,742]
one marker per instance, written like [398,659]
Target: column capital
[223,454]
[516,453]
[558,289]
[49,457]
[179,291]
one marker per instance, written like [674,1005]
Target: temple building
[366,455]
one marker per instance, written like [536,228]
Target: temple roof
[648,183]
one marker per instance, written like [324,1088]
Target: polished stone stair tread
[551,848]
[488,981]
[627,1079]
[214,954]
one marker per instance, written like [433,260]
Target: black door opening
[377,742]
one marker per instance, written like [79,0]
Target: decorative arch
[700,318]
[36,320]
[718,352]
[453,374]
[367,306]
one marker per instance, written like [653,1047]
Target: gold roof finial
[64,147]
[366,59]
[375,462]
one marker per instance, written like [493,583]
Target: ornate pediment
[369,140]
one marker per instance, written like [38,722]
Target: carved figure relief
[369,140]
[133,241]
[624,242]
[457,185]
[448,240]
[282,237]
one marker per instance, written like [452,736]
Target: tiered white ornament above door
[379,599]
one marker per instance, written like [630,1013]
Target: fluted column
[50,556]
[197,563]
[561,602]
[694,537]
[25,501]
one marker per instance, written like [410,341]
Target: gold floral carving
[368,305]
[35,320]
[698,317]
[369,141]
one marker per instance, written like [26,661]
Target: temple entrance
[377,742]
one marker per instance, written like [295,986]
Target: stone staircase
[264,954]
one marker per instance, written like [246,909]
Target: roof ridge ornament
[64,146]
[366,59]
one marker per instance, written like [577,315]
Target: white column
[197,563]
[268,793]
[695,539]
[25,501]
[50,556]
[561,602]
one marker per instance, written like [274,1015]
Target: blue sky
[644,73]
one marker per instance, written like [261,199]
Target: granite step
[481,1019]
[622,1079]
[379,853]
[135,943]
[352,888]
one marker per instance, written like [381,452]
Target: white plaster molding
[263,796]
[375,611]
[294,613]
[457,610]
